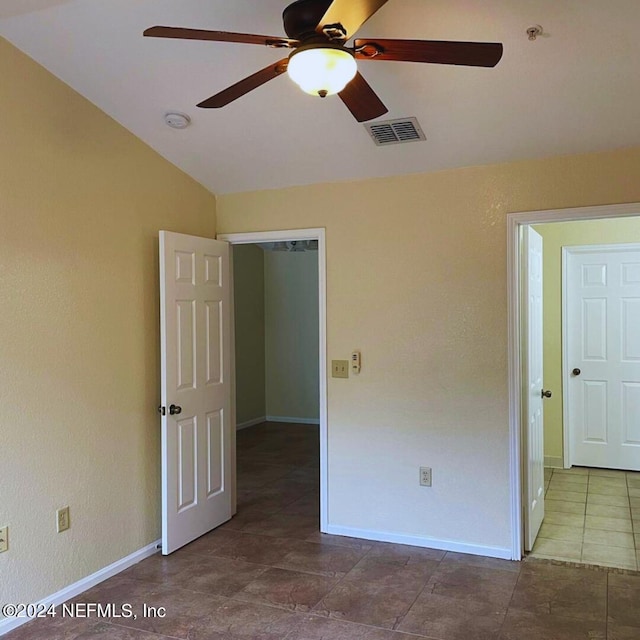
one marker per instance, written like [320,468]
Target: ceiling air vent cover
[395,131]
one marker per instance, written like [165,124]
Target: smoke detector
[177,120]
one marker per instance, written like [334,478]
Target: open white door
[532,401]
[196,387]
[602,333]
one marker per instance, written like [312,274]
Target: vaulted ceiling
[574,89]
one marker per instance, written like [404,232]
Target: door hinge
[162,410]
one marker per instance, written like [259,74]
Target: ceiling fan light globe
[322,70]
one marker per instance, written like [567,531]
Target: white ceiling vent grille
[395,131]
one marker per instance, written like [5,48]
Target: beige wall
[81,203]
[291,314]
[248,278]
[416,278]
[556,236]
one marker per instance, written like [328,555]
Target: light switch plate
[339,368]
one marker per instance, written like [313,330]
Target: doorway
[291,239]
[521,463]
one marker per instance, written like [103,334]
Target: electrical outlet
[63,521]
[425,476]
[4,539]
[340,368]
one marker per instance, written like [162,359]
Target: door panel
[195,364]
[602,335]
[532,331]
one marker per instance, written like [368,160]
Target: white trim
[293,420]
[514,223]
[554,462]
[251,423]
[8,624]
[566,434]
[318,234]
[421,541]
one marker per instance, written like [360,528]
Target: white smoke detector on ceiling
[177,120]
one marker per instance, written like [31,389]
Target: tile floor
[269,574]
[591,516]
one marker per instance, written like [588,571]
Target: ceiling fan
[321,63]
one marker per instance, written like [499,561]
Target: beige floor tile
[633,492]
[610,538]
[635,514]
[634,475]
[607,473]
[633,481]
[609,556]
[608,524]
[570,482]
[567,496]
[557,549]
[618,481]
[548,473]
[634,502]
[578,471]
[568,519]
[561,532]
[609,501]
[608,490]
[637,539]
[607,511]
[562,506]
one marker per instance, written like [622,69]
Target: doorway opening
[279,454]
[582,523]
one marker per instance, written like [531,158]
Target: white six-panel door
[196,396]
[532,404]
[602,335]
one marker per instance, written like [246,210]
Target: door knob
[546,394]
[174,409]
[576,372]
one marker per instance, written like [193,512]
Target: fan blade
[244,86]
[473,54]
[219,36]
[362,100]
[351,14]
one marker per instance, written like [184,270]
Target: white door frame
[259,237]
[515,222]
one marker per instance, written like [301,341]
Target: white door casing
[532,390]
[515,380]
[601,334]
[195,371]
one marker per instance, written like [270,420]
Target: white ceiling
[576,89]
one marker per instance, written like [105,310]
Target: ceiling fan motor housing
[303,16]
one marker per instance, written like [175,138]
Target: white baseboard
[250,423]
[8,624]
[290,419]
[555,462]
[420,541]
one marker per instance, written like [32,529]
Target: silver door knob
[546,394]
[576,372]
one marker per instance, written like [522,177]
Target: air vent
[395,131]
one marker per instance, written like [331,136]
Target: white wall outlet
[62,519]
[425,476]
[4,539]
